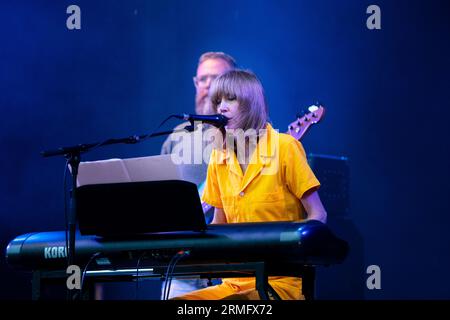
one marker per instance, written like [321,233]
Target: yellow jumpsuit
[270,190]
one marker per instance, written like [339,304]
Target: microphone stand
[73,155]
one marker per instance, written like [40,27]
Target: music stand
[117,197]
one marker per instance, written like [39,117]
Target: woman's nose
[223,105]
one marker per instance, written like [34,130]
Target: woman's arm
[314,207]
[219,216]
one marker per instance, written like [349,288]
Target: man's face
[207,71]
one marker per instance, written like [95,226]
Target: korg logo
[55,252]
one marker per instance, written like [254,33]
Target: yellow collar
[265,148]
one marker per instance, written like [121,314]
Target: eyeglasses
[203,80]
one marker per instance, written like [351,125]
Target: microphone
[217,120]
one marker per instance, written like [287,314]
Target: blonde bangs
[247,89]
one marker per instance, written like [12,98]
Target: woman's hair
[248,91]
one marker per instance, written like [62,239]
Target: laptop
[126,197]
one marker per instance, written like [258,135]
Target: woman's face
[229,107]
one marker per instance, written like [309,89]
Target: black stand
[74,161]
[43,278]
[73,155]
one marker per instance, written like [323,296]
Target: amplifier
[334,175]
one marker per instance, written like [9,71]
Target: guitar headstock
[312,115]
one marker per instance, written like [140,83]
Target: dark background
[131,64]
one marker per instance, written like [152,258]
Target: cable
[167,275]
[137,274]
[160,125]
[95,255]
[170,268]
[135,138]
[131,139]
[169,280]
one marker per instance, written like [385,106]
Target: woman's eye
[231,97]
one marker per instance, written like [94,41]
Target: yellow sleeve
[298,174]
[211,193]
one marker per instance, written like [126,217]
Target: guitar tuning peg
[301,114]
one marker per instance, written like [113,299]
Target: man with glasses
[210,66]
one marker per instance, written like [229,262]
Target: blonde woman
[256,175]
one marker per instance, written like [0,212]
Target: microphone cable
[132,139]
[160,125]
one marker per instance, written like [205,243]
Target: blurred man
[210,66]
